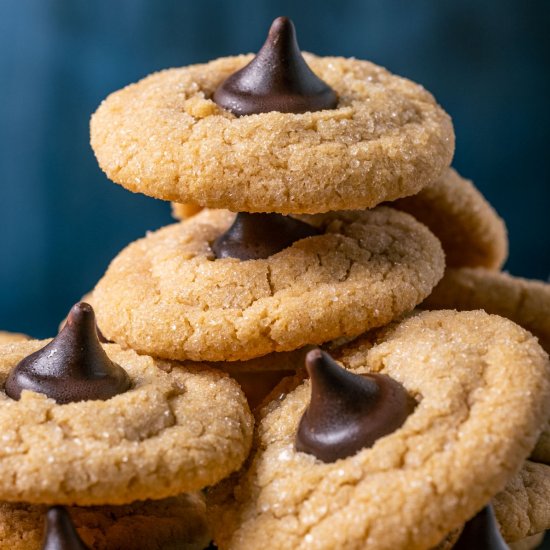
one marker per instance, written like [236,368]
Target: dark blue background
[62,220]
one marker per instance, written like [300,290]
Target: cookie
[522,508]
[166,296]
[167,136]
[173,523]
[524,301]
[6,337]
[423,480]
[471,232]
[114,426]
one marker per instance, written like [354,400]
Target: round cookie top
[166,294]
[176,429]
[475,421]
[471,232]
[522,507]
[173,523]
[166,137]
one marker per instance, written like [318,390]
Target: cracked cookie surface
[475,422]
[471,232]
[176,523]
[524,301]
[523,508]
[175,430]
[167,296]
[166,138]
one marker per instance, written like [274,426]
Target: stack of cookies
[383,416]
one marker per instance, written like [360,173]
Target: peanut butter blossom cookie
[471,232]
[276,132]
[425,424]
[192,291]
[177,523]
[88,424]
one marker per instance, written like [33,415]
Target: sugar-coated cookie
[175,429]
[167,295]
[421,481]
[356,137]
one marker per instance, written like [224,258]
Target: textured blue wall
[62,221]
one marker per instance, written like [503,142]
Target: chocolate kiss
[72,367]
[481,533]
[347,412]
[60,532]
[255,236]
[277,79]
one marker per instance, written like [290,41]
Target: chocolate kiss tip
[258,236]
[481,533]
[60,532]
[347,412]
[72,367]
[277,79]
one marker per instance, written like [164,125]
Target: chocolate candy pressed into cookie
[125,426]
[168,296]
[183,134]
[422,480]
[176,523]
